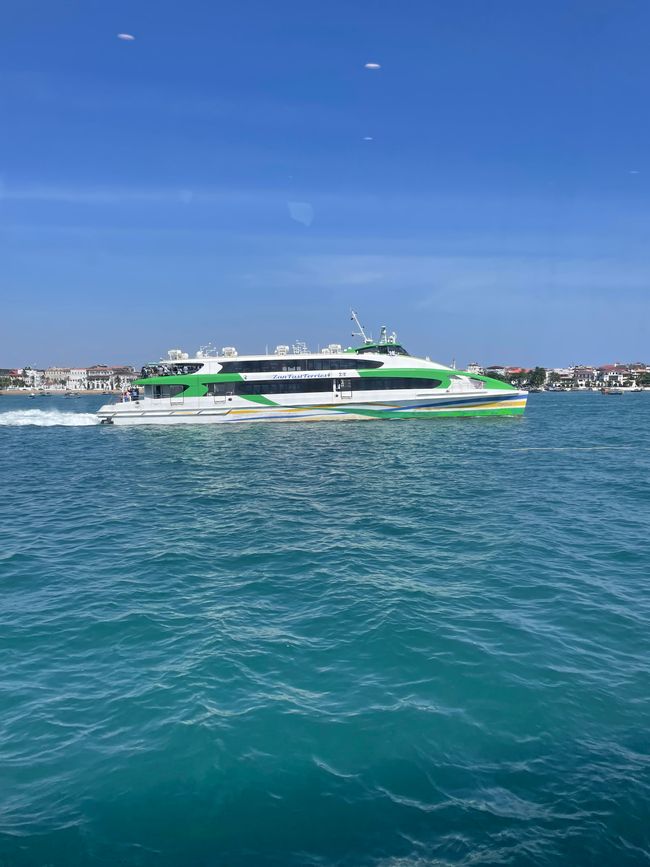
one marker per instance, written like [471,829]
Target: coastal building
[77,379]
[562,377]
[613,375]
[56,376]
[475,367]
[99,377]
[30,376]
[123,377]
[584,377]
[103,378]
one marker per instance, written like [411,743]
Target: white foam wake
[47,418]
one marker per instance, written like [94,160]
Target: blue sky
[213,180]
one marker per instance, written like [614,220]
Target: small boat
[611,391]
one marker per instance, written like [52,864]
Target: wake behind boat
[377,380]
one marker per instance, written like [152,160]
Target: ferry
[376,380]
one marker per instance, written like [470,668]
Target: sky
[236,175]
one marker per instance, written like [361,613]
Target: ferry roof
[379,348]
[376,350]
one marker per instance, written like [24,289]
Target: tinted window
[276,386]
[306,386]
[385,349]
[370,383]
[170,369]
[294,365]
[221,388]
[163,391]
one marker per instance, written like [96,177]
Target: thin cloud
[126,195]
[301,212]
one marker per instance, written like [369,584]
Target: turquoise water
[392,644]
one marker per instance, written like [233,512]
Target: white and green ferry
[377,380]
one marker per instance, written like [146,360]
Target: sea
[397,644]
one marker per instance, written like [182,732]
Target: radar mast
[361,332]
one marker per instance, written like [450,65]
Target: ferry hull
[142,413]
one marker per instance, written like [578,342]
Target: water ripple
[391,644]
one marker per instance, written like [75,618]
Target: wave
[47,418]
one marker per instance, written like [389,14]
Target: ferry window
[163,391]
[305,386]
[381,382]
[168,369]
[385,349]
[287,386]
[276,386]
[221,388]
[268,365]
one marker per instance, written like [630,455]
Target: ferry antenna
[360,333]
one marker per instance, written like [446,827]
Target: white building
[99,377]
[584,377]
[31,377]
[116,378]
[56,376]
[77,379]
[615,375]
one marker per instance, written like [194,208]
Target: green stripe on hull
[259,398]
[439,413]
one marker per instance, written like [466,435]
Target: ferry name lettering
[300,376]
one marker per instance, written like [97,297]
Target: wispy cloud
[441,281]
[349,246]
[50,91]
[114,195]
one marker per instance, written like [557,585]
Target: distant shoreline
[57,393]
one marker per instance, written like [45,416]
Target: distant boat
[611,391]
